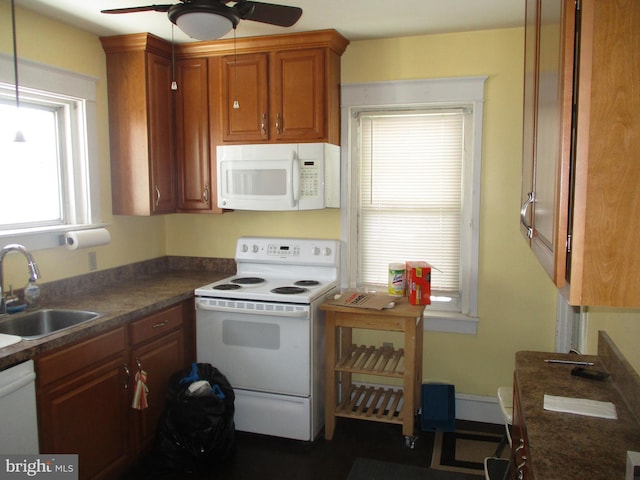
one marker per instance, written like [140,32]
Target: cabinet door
[298,95]
[88,415]
[546,134]
[161,134]
[605,265]
[192,136]
[529,116]
[245,102]
[159,359]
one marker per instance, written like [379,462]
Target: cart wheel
[410,441]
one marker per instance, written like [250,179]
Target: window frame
[79,90]
[466,92]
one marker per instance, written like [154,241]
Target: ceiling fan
[211,19]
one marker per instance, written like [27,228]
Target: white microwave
[278,177]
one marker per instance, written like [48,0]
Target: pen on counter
[571,362]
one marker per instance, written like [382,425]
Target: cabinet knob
[278,126]
[205,194]
[263,125]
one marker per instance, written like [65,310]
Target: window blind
[410,193]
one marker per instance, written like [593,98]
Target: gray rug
[367,469]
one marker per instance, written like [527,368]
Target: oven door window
[251,334]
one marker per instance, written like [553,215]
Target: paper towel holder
[84,238]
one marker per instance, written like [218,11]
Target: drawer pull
[520,468]
[160,324]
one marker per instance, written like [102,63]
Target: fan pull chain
[236,104]
[19,137]
[174,84]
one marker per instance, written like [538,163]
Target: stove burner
[247,280]
[288,290]
[226,286]
[307,283]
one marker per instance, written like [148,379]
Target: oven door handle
[271,313]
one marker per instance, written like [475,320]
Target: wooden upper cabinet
[280,88]
[141,124]
[192,136]
[274,97]
[582,156]
[245,98]
[298,96]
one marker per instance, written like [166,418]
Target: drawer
[75,358]
[156,325]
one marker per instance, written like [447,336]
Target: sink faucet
[34,273]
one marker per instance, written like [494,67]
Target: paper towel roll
[87,238]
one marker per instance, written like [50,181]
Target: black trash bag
[196,432]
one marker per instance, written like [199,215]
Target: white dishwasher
[18,420]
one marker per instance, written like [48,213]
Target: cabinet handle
[160,324]
[128,374]
[205,195]
[520,468]
[138,364]
[263,125]
[157,195]
[531,198]
[278,129]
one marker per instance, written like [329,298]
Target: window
[50,180]
[413,165]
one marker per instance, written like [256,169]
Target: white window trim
[38,76]
[432,92]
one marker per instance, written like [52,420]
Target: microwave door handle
[295,180]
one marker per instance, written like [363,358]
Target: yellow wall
[133,239]
[517,300]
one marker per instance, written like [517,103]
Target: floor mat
[464,451]
[368,469]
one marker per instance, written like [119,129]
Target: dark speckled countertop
[569,446]
[120,295]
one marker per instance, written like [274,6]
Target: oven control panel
[296,251]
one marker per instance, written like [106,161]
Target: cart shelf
[379,404]
[382,361]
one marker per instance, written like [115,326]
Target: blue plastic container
[438,407]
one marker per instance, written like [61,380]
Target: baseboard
[478,408]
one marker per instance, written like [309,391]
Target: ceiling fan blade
[147,8]
[281,15]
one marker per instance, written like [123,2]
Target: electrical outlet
[387,345]
[93,261]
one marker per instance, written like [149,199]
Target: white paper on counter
[580,406]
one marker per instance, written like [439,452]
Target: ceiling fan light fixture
[203,21]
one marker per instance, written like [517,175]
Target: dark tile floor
[262,457]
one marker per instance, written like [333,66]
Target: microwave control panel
[310,183]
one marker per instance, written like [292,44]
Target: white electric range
[264,330]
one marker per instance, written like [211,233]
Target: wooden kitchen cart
[343,359]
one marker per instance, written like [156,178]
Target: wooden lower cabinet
[85,391]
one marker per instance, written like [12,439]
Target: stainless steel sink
[38,324]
